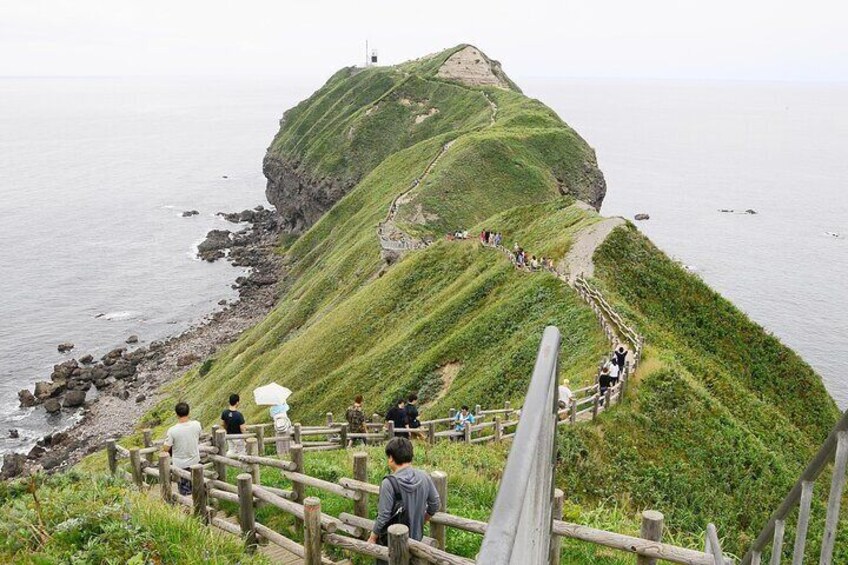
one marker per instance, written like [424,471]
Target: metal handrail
[519,529]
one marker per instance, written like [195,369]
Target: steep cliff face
[299,198]
[329,142]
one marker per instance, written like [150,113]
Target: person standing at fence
[412,413]
[464,415]
[355,420]
[397,415]
[233,421]
[565,394]
[407,496]
[182,441]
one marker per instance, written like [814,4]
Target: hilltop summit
[472,67]
[519,148]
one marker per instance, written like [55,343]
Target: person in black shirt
[412,413]
[233,421]
[620,357]
[397,414]
[605,380]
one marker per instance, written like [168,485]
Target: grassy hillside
[719,420]
[74,518]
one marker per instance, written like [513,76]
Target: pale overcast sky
[709,39]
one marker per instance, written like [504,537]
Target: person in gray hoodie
[417,494]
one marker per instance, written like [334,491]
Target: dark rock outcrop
[27,399]
[13,465]
[299,198]
[74,398]
[190,213]
[642,217]
[65,347]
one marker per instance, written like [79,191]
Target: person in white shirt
[614,371]
[565,394]
[182,441]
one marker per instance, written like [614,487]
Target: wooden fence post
[360,473]
[652,529]
[198,493]
[398,544]
[596,406]
[247,518]
[253,449]
[507,405]
[431,432]
[260,440]
[556,541]
[343,436]
[477,410]
[390,430]
[438,531]
[607,398]
[498,429]
[147,434]
[135,465]
[572,416]
[329,419]
[452,413]
[112,456]
[467,431]
[296,434]
[165,477]
[296,453]
[219,440]
[312,531]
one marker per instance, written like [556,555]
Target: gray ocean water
[95,172]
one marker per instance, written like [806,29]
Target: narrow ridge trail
[391,237]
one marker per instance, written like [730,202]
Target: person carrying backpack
[407,496]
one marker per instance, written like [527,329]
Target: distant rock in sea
[190,213]
[642,217]
[65,347]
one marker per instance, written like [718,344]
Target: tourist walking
[182,442]
[397,415]
[614,371]
[621,356]
[233,421]
[605,381]
[407,496]
[463,416]
[355,420]
[565,394]
[412,414]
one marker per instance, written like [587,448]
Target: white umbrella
[271,394]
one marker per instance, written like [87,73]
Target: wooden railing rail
[835,448]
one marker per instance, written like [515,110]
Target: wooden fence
[348,531]
[834,448]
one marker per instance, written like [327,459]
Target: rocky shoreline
[112,393]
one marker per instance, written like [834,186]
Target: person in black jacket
[397,414]
[412,413]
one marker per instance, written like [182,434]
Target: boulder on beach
[642,217]
[187,359]
[65,347]
[13,465]
[52,405]
[74,398]
[132,339]
[212,248]
[87,359]
[44,390]
[27,399]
